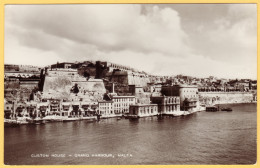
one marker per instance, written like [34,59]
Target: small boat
[88,118]
[38,121]
[178,113]
[160,116]
[22,120]
[118,118]
[211,109]
[133,116]
[226,109]
[10,123]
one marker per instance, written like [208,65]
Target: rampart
[209,98]
[129,78]
[60,87]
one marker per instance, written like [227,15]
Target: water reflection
[200,138]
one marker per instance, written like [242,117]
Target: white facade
[106,108]
[122,103]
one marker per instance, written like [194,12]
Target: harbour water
[204,138]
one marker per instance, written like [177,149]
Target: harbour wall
[211,98]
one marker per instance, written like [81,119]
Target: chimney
[113,88]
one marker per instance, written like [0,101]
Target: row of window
[122,105]
[189,90]
[190,96]
[106,112]
[145,109]
[121,111]
[123,100]
[173,100]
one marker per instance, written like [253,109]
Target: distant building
[65,65]
[166,104]
[10,67]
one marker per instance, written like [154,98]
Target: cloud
[147,37]
[108,27]
[230,39]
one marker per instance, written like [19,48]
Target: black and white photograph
[130,84]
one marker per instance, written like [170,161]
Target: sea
[202,138]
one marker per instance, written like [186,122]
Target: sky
[162,39]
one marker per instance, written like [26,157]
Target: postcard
[130,84]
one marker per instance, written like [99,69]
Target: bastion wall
[209,98]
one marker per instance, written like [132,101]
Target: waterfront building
[143,110]
[122,103]
[65,108]
[190,104]
[76,110]
[166,104]
[8,110]
[31,108]
[21,109]
[183,91]
[89,108]
[43,108]
[54,106]
[106,108]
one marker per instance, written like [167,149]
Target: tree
[75,88]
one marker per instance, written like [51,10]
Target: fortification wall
[60,87]
[210,98]
[19,91]
[138,80]
[129,78]
[57,87]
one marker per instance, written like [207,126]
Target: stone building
[188,92]
[166,104]
[8,110]
[65,65]
[122,103]
[143,110]
[190,104]
[106,108]
[54,106]
[89,108]
[11,68]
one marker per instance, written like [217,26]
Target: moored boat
[226,109]
[211,109]
[22,120]
[10,123]
[38,121]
